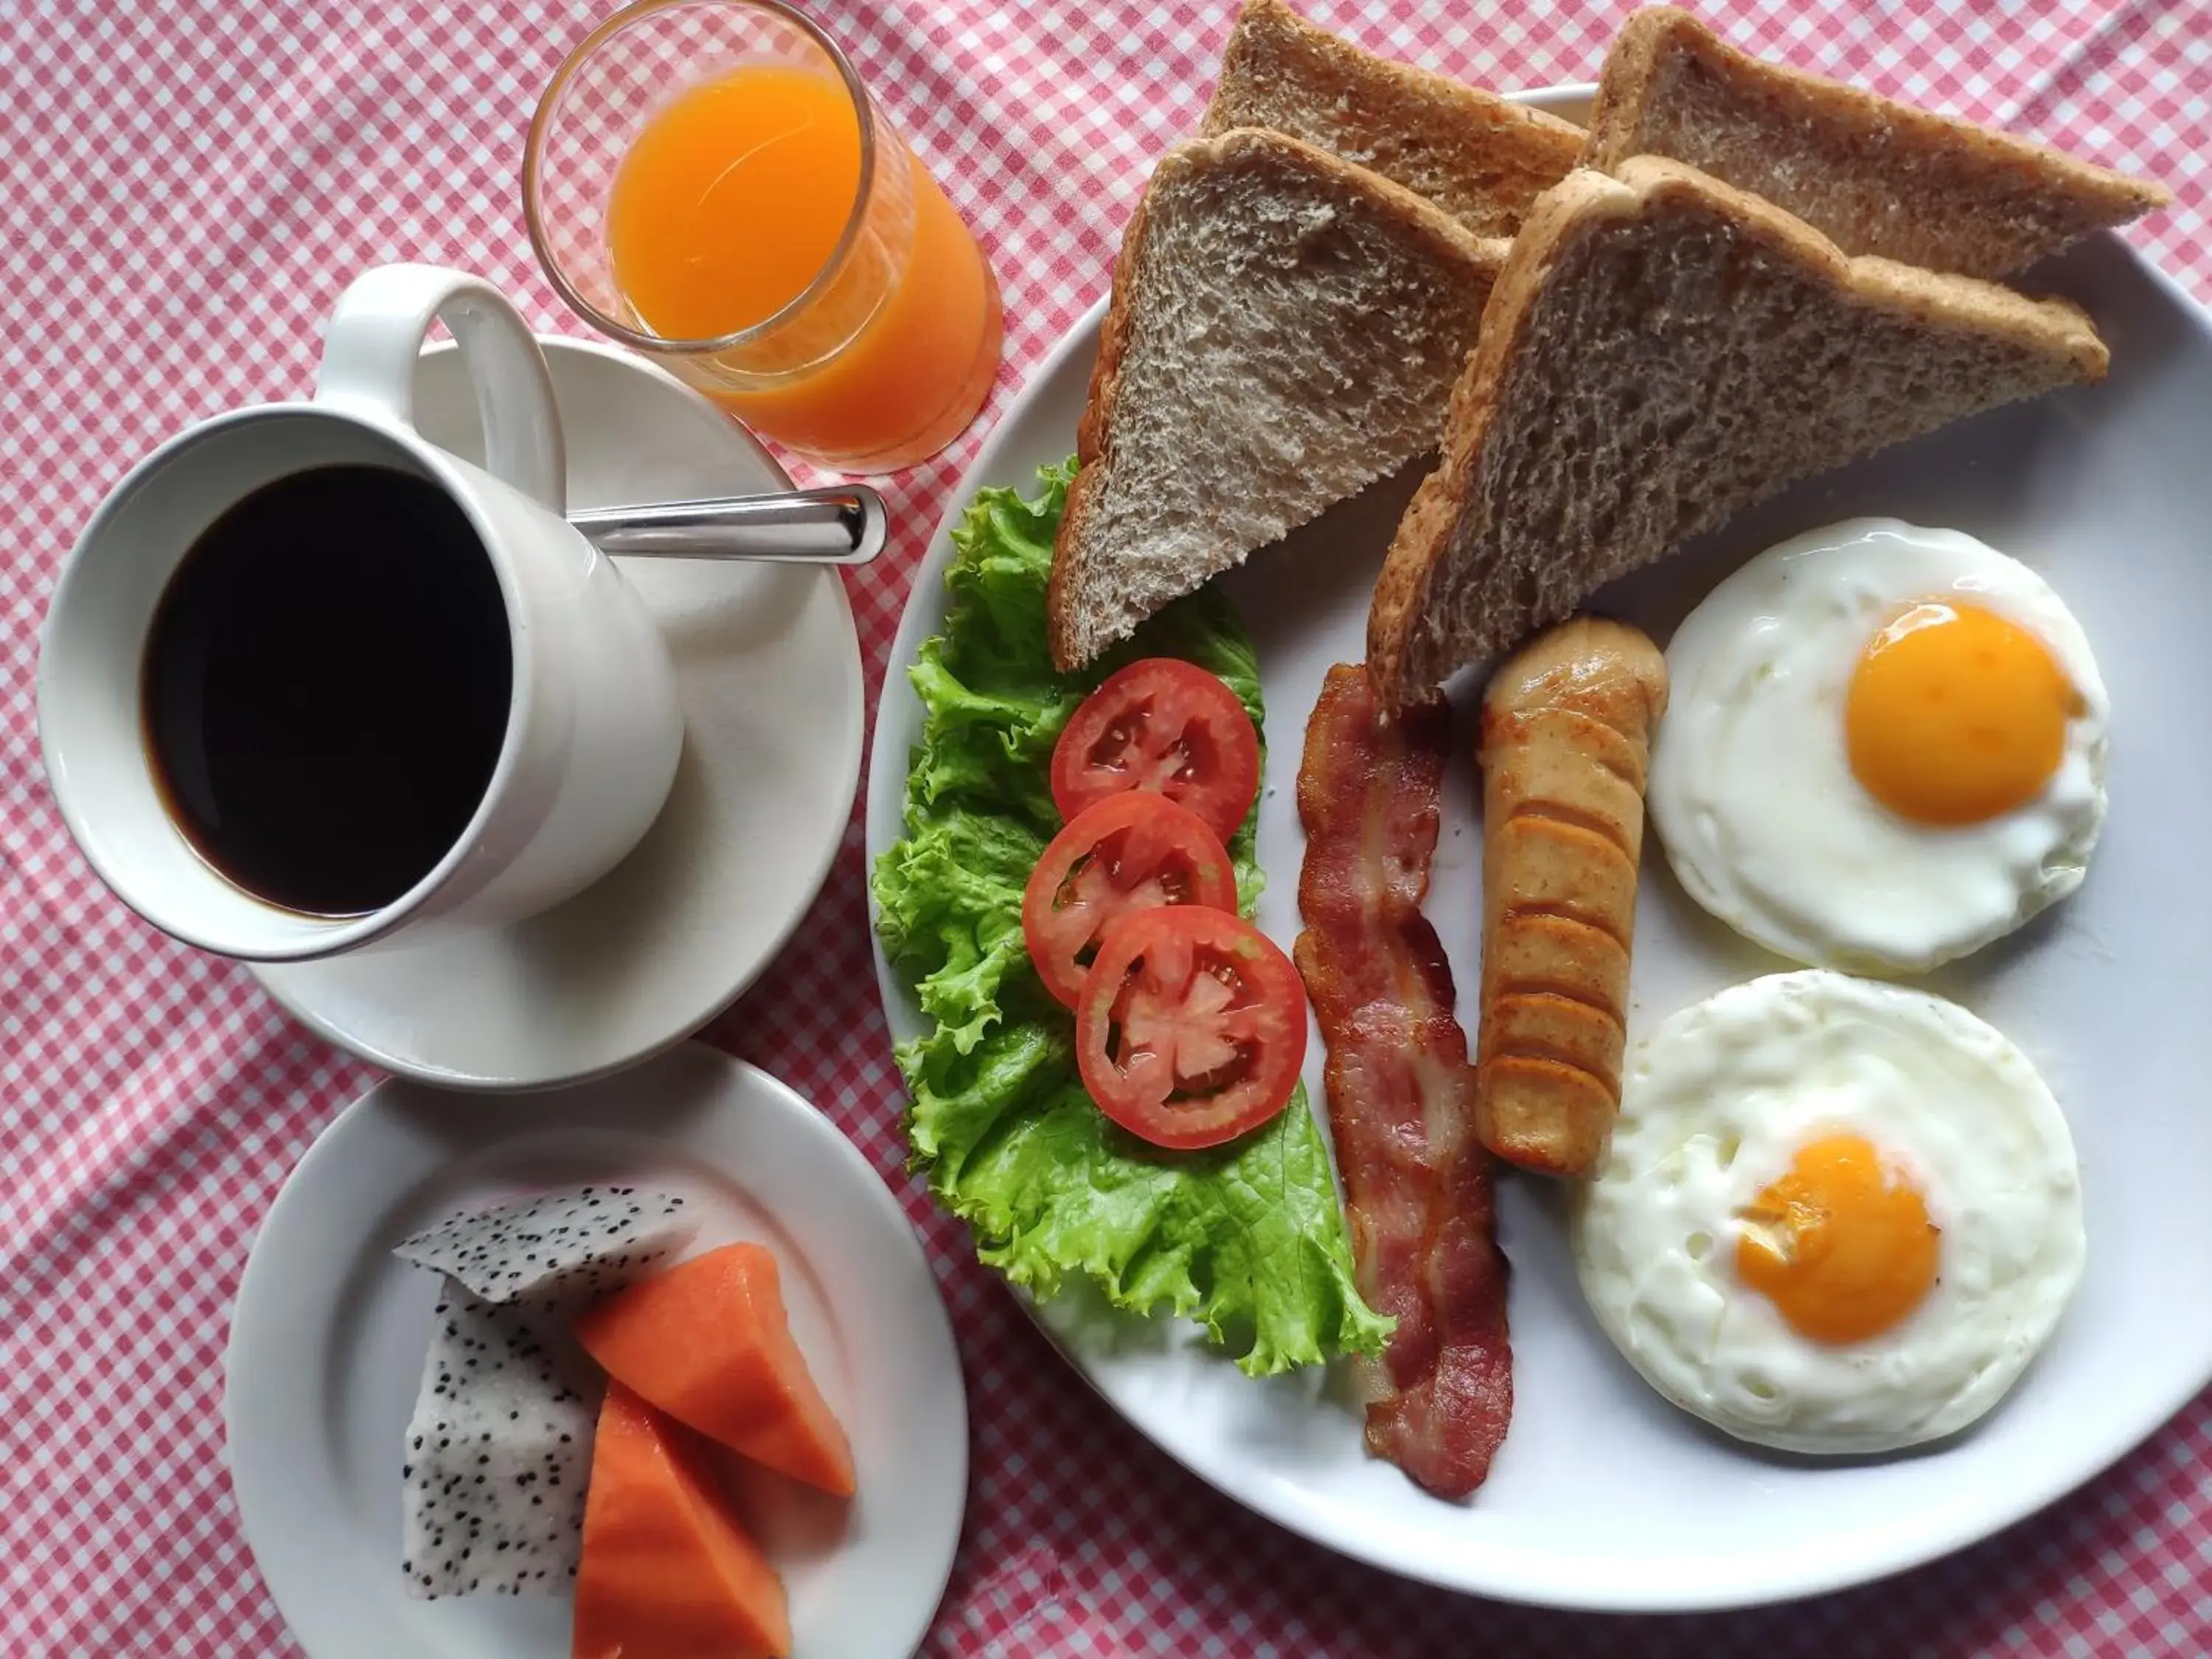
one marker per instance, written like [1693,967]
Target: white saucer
[326,1350]
[769,669]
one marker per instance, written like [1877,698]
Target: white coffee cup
[593,729]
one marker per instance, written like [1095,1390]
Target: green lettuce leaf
[1247,1238]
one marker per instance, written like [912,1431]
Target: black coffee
[325,687]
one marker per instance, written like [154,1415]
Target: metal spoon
[843,524]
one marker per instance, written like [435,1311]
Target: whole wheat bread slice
[1874,175]
[1479,158]
[1285,328]
[1659,352]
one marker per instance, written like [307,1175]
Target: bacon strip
[1417,1182]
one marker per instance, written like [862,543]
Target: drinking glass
[881,357]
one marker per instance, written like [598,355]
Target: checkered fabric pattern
[186,187]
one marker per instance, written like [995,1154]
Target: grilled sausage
[1565,742]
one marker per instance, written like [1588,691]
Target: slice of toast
[1661,351]
[1873,175]
[1477,157]
[1285,328]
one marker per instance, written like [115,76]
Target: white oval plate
[768,668]
[1604,1496]
[326,1350]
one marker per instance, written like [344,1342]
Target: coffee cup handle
[376,334]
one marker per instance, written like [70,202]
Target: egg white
[1752,793]
[1715,1104]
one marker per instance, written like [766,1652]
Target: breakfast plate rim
[284,981]
[2083,1458]
[260,1423]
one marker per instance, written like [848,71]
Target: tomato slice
[1131,852]
[1166,726]
[1192,1026]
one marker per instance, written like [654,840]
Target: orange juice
[731,200]
[730,204]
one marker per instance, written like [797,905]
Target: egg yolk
[1842,1247]
[1955,715]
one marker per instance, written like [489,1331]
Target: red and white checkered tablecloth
[186,187]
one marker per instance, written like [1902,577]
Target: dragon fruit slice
[562,1248]
[499,1452]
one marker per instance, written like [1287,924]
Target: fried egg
[1885,747]
[1837,1216]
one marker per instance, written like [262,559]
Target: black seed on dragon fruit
[507,1403]
[505,1398]
[565,1246]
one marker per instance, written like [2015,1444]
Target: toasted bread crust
[1424,532]
[1482,159]
[1062,586]
[1876,176]
[1435,541]
[1473,261]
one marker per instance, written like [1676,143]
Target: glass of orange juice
[708,182]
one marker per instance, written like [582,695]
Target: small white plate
[1605,1497]
[326,1350]
[768,667]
